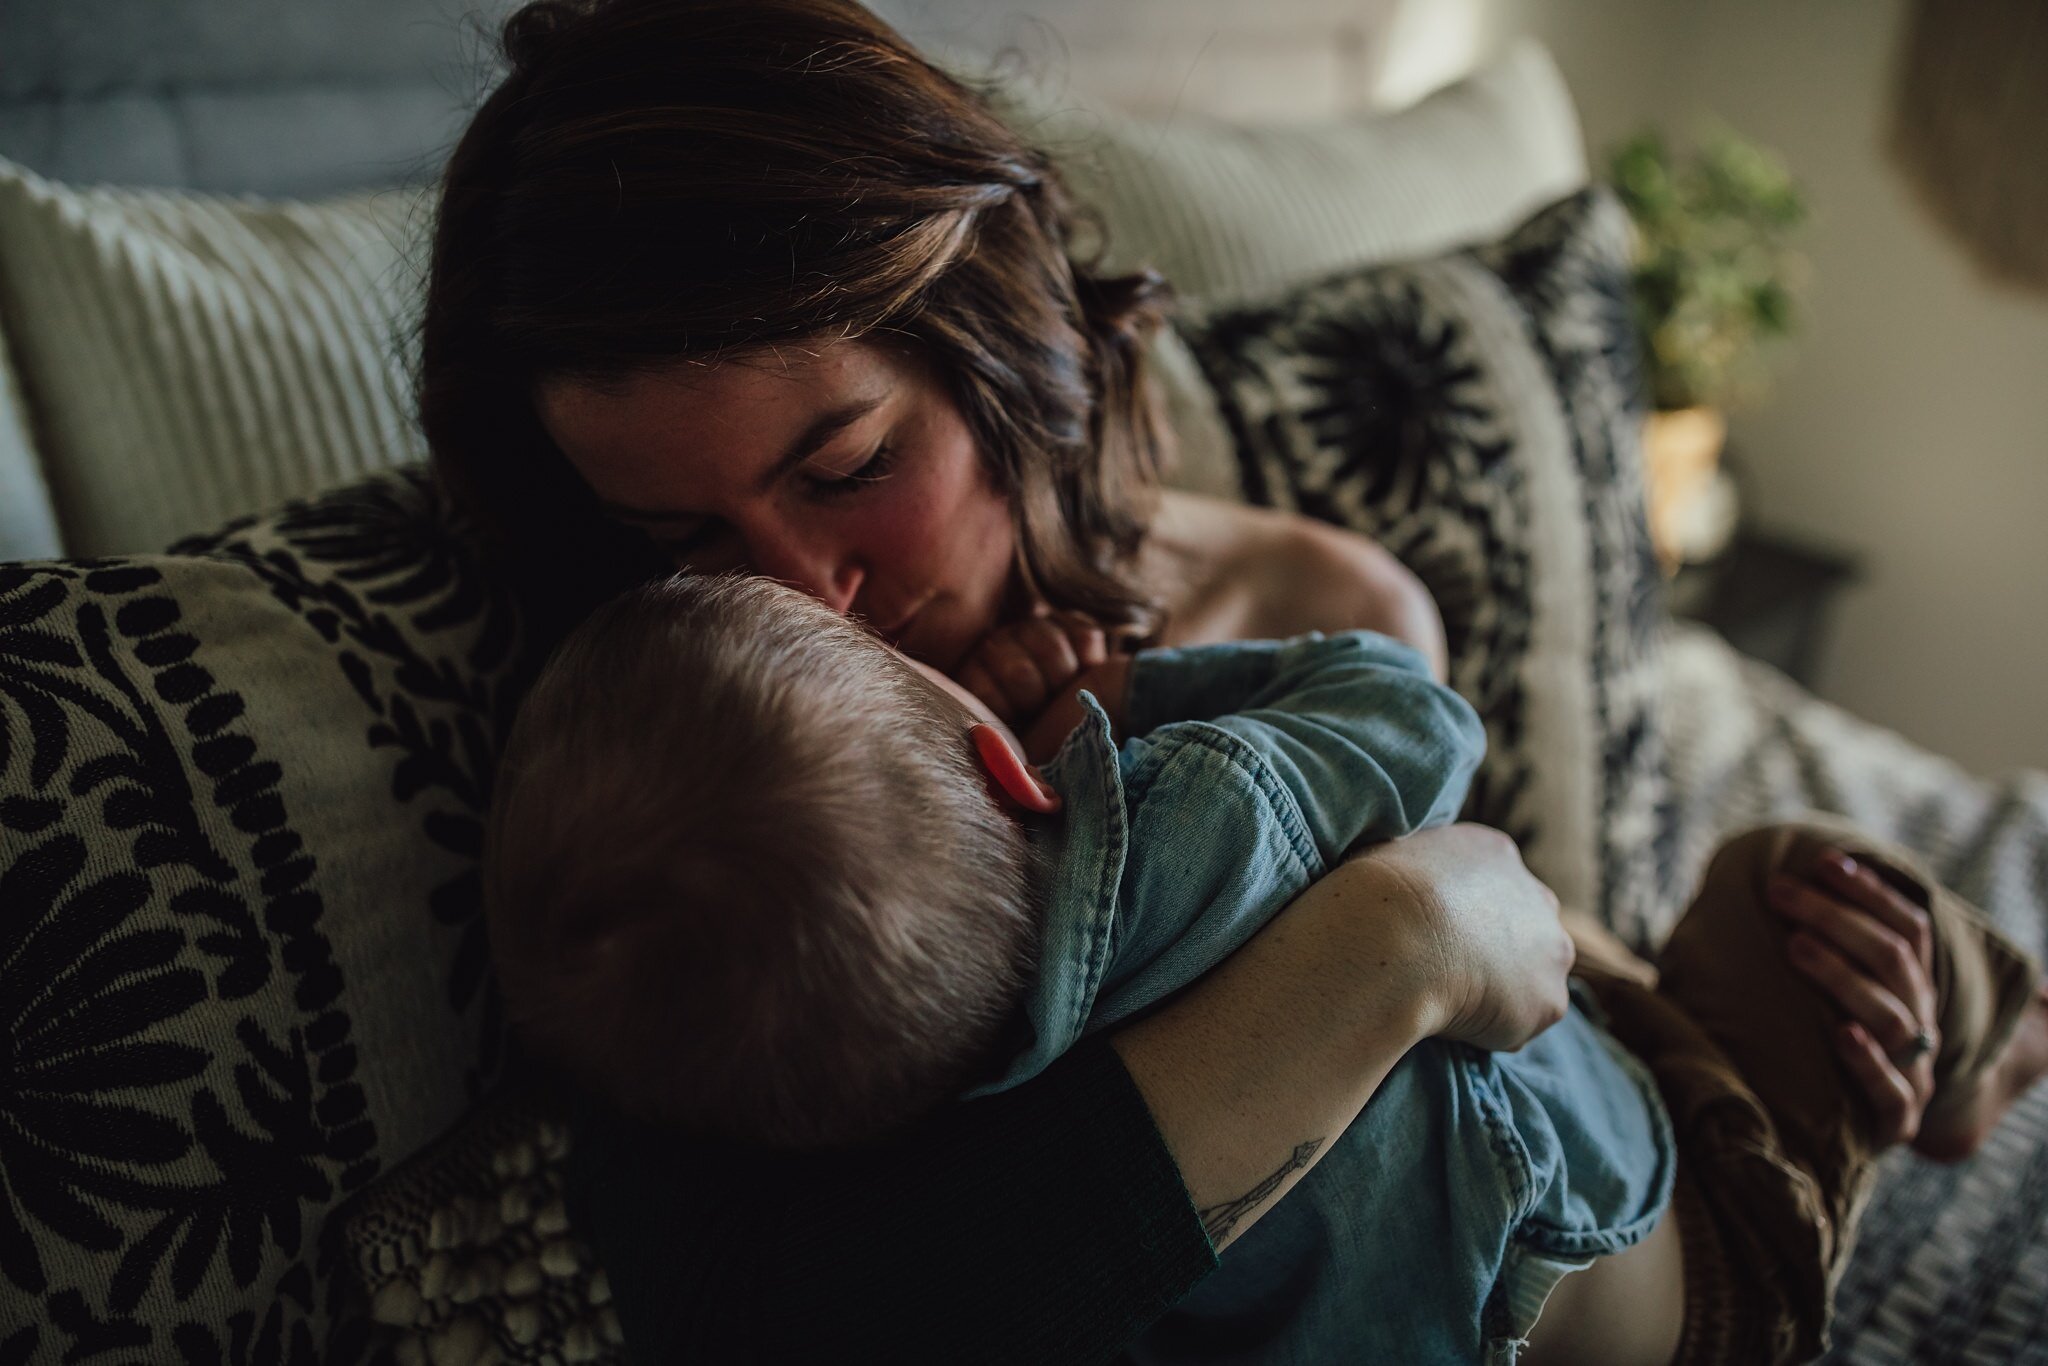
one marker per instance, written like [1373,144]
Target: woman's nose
[827,573]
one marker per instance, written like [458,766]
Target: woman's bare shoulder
[1229,572]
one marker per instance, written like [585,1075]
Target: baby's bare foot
[1961,1124]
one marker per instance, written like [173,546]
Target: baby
[731,817]
[728,814]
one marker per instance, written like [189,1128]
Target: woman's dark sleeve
[1044,1225]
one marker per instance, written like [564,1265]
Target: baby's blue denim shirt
[1433,1227]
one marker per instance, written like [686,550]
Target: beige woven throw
[1969,124]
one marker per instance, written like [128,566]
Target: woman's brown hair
[667,180]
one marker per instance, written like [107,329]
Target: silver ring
[1922,1044]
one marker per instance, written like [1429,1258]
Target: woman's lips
[898,631]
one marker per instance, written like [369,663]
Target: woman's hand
[1500,956]
[1870,949]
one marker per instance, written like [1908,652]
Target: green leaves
[1716,279]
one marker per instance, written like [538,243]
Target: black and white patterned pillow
[1478,414]
[242,967]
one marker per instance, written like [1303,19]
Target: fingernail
[1845,865]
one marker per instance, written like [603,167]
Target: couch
[255,1106]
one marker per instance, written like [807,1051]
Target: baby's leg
[1623,1310]
[1587,1111]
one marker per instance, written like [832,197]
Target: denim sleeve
[1200,682]
[1352,726]
[1332,741]
[1216,848]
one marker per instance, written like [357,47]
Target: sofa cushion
[241,952]
[466,1252]
[186,358]
[1229,212]
[1478,414]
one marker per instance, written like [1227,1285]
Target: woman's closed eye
[689,546]
[872,470]
[706,544]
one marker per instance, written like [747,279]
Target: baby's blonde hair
[744,875]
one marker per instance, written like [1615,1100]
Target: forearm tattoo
[1219,1220]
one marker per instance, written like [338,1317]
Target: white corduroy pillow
[189,358]
[28,524]
[1230,212]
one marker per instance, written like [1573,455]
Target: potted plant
[1713,290]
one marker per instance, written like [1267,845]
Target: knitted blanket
[1953,1262]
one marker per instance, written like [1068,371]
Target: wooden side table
[1772,598]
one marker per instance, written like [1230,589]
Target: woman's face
[843,469]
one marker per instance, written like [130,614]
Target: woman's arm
[1253,1070]
[1055,1221]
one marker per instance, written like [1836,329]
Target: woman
[748,284]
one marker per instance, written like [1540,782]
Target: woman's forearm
[1251,1072]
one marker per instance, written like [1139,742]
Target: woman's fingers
[1865,940]
[1869,948]
[1862,886]
[1888,1019]
[1898,1102]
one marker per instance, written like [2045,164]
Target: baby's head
[746,872]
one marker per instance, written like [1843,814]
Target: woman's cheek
[955,545]
[897,527]
[984,544]
[947,527]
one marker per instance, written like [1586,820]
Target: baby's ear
[1009,777]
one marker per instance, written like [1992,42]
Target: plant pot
[1691,503]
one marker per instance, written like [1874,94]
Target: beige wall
[1912,423]
[1245,59]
